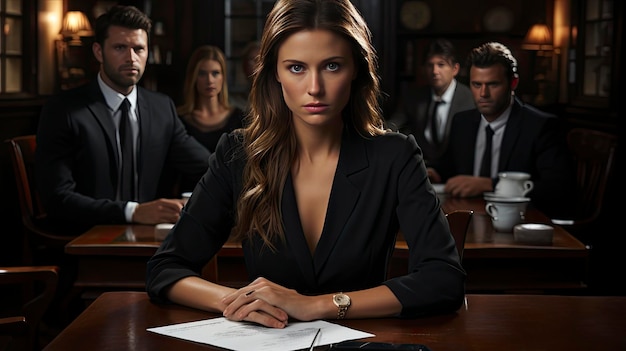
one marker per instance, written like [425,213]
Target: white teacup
[512,184]
[507,212]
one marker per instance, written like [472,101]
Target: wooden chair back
[22,153]
[594,154]
[20,331]
[459,222]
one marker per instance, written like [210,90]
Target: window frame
[28,54]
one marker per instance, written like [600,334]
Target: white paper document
[247,336]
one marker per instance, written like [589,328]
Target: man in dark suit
[522,138]
[82,156]
[426,111]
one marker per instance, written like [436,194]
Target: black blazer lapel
[100,111]
[144,113]
[102,114]
[466,142]
[294,234]
[511,135]
[343,198]
[459,102]
[344,194]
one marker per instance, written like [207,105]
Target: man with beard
[101,147]
[504,134]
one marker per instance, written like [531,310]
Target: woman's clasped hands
[266,303]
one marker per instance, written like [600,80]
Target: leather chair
[37,239]
[20,329]
[594,154]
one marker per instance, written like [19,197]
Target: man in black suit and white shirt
[79,152]
[426,111]
[524,138]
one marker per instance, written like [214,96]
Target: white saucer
[489,196]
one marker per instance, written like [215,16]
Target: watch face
[341,300]
[414,14]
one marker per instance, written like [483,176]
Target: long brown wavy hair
[190,92]
[269,139]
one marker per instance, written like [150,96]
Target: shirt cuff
[130,210]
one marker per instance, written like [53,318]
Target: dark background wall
[188,24]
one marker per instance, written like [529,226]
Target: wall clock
[415,14]
[498,19]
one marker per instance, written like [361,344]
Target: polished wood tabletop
[115,256]
[495,262]
[482,240]
[118,321]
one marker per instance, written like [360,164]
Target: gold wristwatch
[342,301]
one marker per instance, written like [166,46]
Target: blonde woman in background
[206,111]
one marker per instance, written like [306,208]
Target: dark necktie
[434,123]
[127,174]
[485,165]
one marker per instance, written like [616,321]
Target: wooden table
[113,257]
[118,321]
[495,262]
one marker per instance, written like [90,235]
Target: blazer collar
[144,111]
[102,113]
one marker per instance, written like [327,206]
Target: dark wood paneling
[17,117]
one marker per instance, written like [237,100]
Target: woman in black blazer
[316,189]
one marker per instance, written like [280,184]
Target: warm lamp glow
[75,25]
[538,38]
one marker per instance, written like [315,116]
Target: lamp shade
[76,25]
[538,38]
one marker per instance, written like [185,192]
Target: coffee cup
[507,212]
[185,196]
[513,184]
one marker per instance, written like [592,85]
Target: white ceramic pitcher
[512,184]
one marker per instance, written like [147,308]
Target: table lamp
[75,25]
[539,40]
